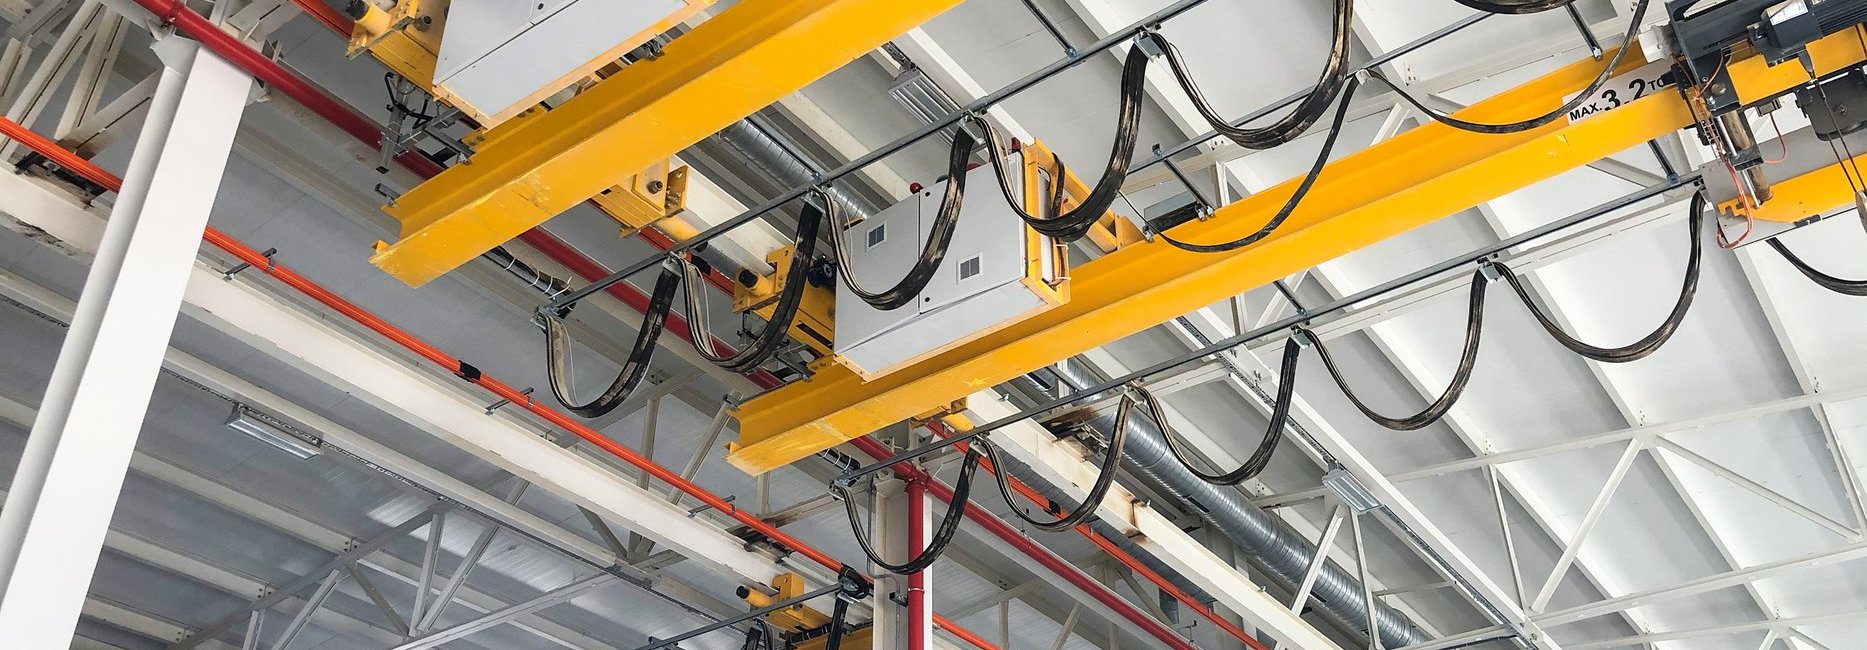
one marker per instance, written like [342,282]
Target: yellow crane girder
[1403,183]
[1806,195]
[728,67]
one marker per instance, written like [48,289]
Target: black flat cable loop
[1073,225]
[772,336]
[634,369]
[1334,76]
[1607,71]
[1267,445]
[943,536]
[839,614]
[932,253]
[1829,282]
[1468,358]
[1653,341]
[1516,7]
[1105,476]
[1296,198]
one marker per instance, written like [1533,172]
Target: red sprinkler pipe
[327,16]
[917,582]
[1068,571]
[347,119]
[262,264]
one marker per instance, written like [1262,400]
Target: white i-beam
[58,512]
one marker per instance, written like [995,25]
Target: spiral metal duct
[1272,546]
[782,163]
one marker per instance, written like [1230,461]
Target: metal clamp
[695,512]
[1492,270]
[387,192]
[973,124]
[237,268]
[502,403]
[1303,338]
[852,586]
[1150,42]
[674,262]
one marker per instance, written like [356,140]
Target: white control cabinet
[500,57]
[996,272]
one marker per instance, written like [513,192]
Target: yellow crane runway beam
[728,67]
[1405,182]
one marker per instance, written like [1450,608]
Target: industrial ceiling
[1706,496]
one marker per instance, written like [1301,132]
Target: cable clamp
[851,585]
[468,372]
[1491,270]
[544,313]
[818,196]
[1303,338]
[674,262]
[973,124]
[1150,42]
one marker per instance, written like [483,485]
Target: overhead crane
[531,167]
[528,165]
[1405,182]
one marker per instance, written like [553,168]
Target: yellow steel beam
[1801,197]
[1405,182]
[747,57]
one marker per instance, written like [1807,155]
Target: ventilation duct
[1272,546]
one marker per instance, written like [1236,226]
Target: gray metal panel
[882,250]
[476,27]
[987,249]
[493,68]
[934,330]
[989,235]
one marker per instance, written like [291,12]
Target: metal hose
[1035,390]
[784,164]
[1271,545]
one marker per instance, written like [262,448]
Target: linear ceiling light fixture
[251,423]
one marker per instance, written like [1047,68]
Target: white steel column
[888,534]
[59,510]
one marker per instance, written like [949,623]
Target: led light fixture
[244,421]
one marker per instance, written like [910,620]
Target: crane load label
[1621,90]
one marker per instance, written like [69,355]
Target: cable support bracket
[237,268]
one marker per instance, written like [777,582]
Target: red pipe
[60,156]
[917,582]
[366,131]
[326,15]
[1068,571]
